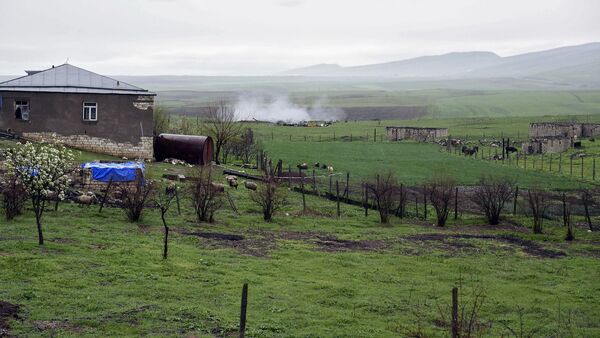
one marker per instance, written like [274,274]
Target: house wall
[418,134]
[124,126]
[547,146]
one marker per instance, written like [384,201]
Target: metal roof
[67,78]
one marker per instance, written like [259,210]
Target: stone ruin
[557,137]
[415,133]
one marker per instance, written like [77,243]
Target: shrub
[269,197]
[134,199]
[536,198]
[207,196]
[383,190]
[491,195]
[13,196]
[439,190]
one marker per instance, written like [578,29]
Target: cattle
[469,151]
[511,149]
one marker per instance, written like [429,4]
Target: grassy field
[308,276]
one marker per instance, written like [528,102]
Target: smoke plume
[275,108]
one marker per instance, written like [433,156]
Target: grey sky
[227,37]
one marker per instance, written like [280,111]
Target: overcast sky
[245,37]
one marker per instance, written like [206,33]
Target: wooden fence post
[366,192]
[455,312]
[456,203]
[417,204]
[337,193]
[515,200]
[560,163]
[594,169]
[571,165]
[550,162]
[330,184]
[289,175]
[347,190]
[374,134]
[582,168]
[243,309]
[108,186]
[424,203]
[302,187]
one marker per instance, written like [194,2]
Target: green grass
[98,275]
[412,163]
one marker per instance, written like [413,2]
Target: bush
[439,190]
[269,197]
[537,200]
[13,196]
[134,199]
[207,196]
[383,190]
[491,195]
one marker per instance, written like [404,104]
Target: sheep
[302,166]
[232,180]
[86,199]
[250,185]
[330,169]
[217,187]
[317,165]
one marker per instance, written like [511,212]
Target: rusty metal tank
[190,148]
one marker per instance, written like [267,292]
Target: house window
[90,111]
[22,110]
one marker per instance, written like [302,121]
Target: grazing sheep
[250,185]
[86,199]
[330,169]
[218,187]
[317,165]
[233,183]
[323,166]
[302,166]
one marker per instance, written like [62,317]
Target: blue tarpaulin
[120,172]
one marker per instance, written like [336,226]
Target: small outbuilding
[547,145]
[415,133]
[189,148]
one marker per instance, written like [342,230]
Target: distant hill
[553,64]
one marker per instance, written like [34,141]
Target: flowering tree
[42,170]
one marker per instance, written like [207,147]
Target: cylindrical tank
[190,148]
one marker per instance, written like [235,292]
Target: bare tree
[206,195]
[439,190]
[491,194]
[383,189]
[222,125]
[536,198]
[269,197]
[163,198]
[134,198]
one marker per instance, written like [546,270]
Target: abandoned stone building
[415,133]
[547,145]
[81,109]
[563,129]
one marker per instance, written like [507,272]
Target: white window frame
[24,105]
[87,111]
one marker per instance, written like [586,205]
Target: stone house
[81,109]
[547,145]
[415,133]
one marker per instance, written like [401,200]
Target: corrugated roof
[67,78]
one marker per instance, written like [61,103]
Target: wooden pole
[347,190]
[337,192]
[424,203]
[455,333]
[302,187]
[456,203]
[289,175]
[108,186]
[582,168]
[330,184]
[550,162]
[374,134]
[366,192]
[594,169]
[515,200]
[314,181]
[243,310]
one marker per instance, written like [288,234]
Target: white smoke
[275,108]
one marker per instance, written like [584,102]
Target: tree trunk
[166,247]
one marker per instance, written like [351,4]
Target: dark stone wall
[119,115]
